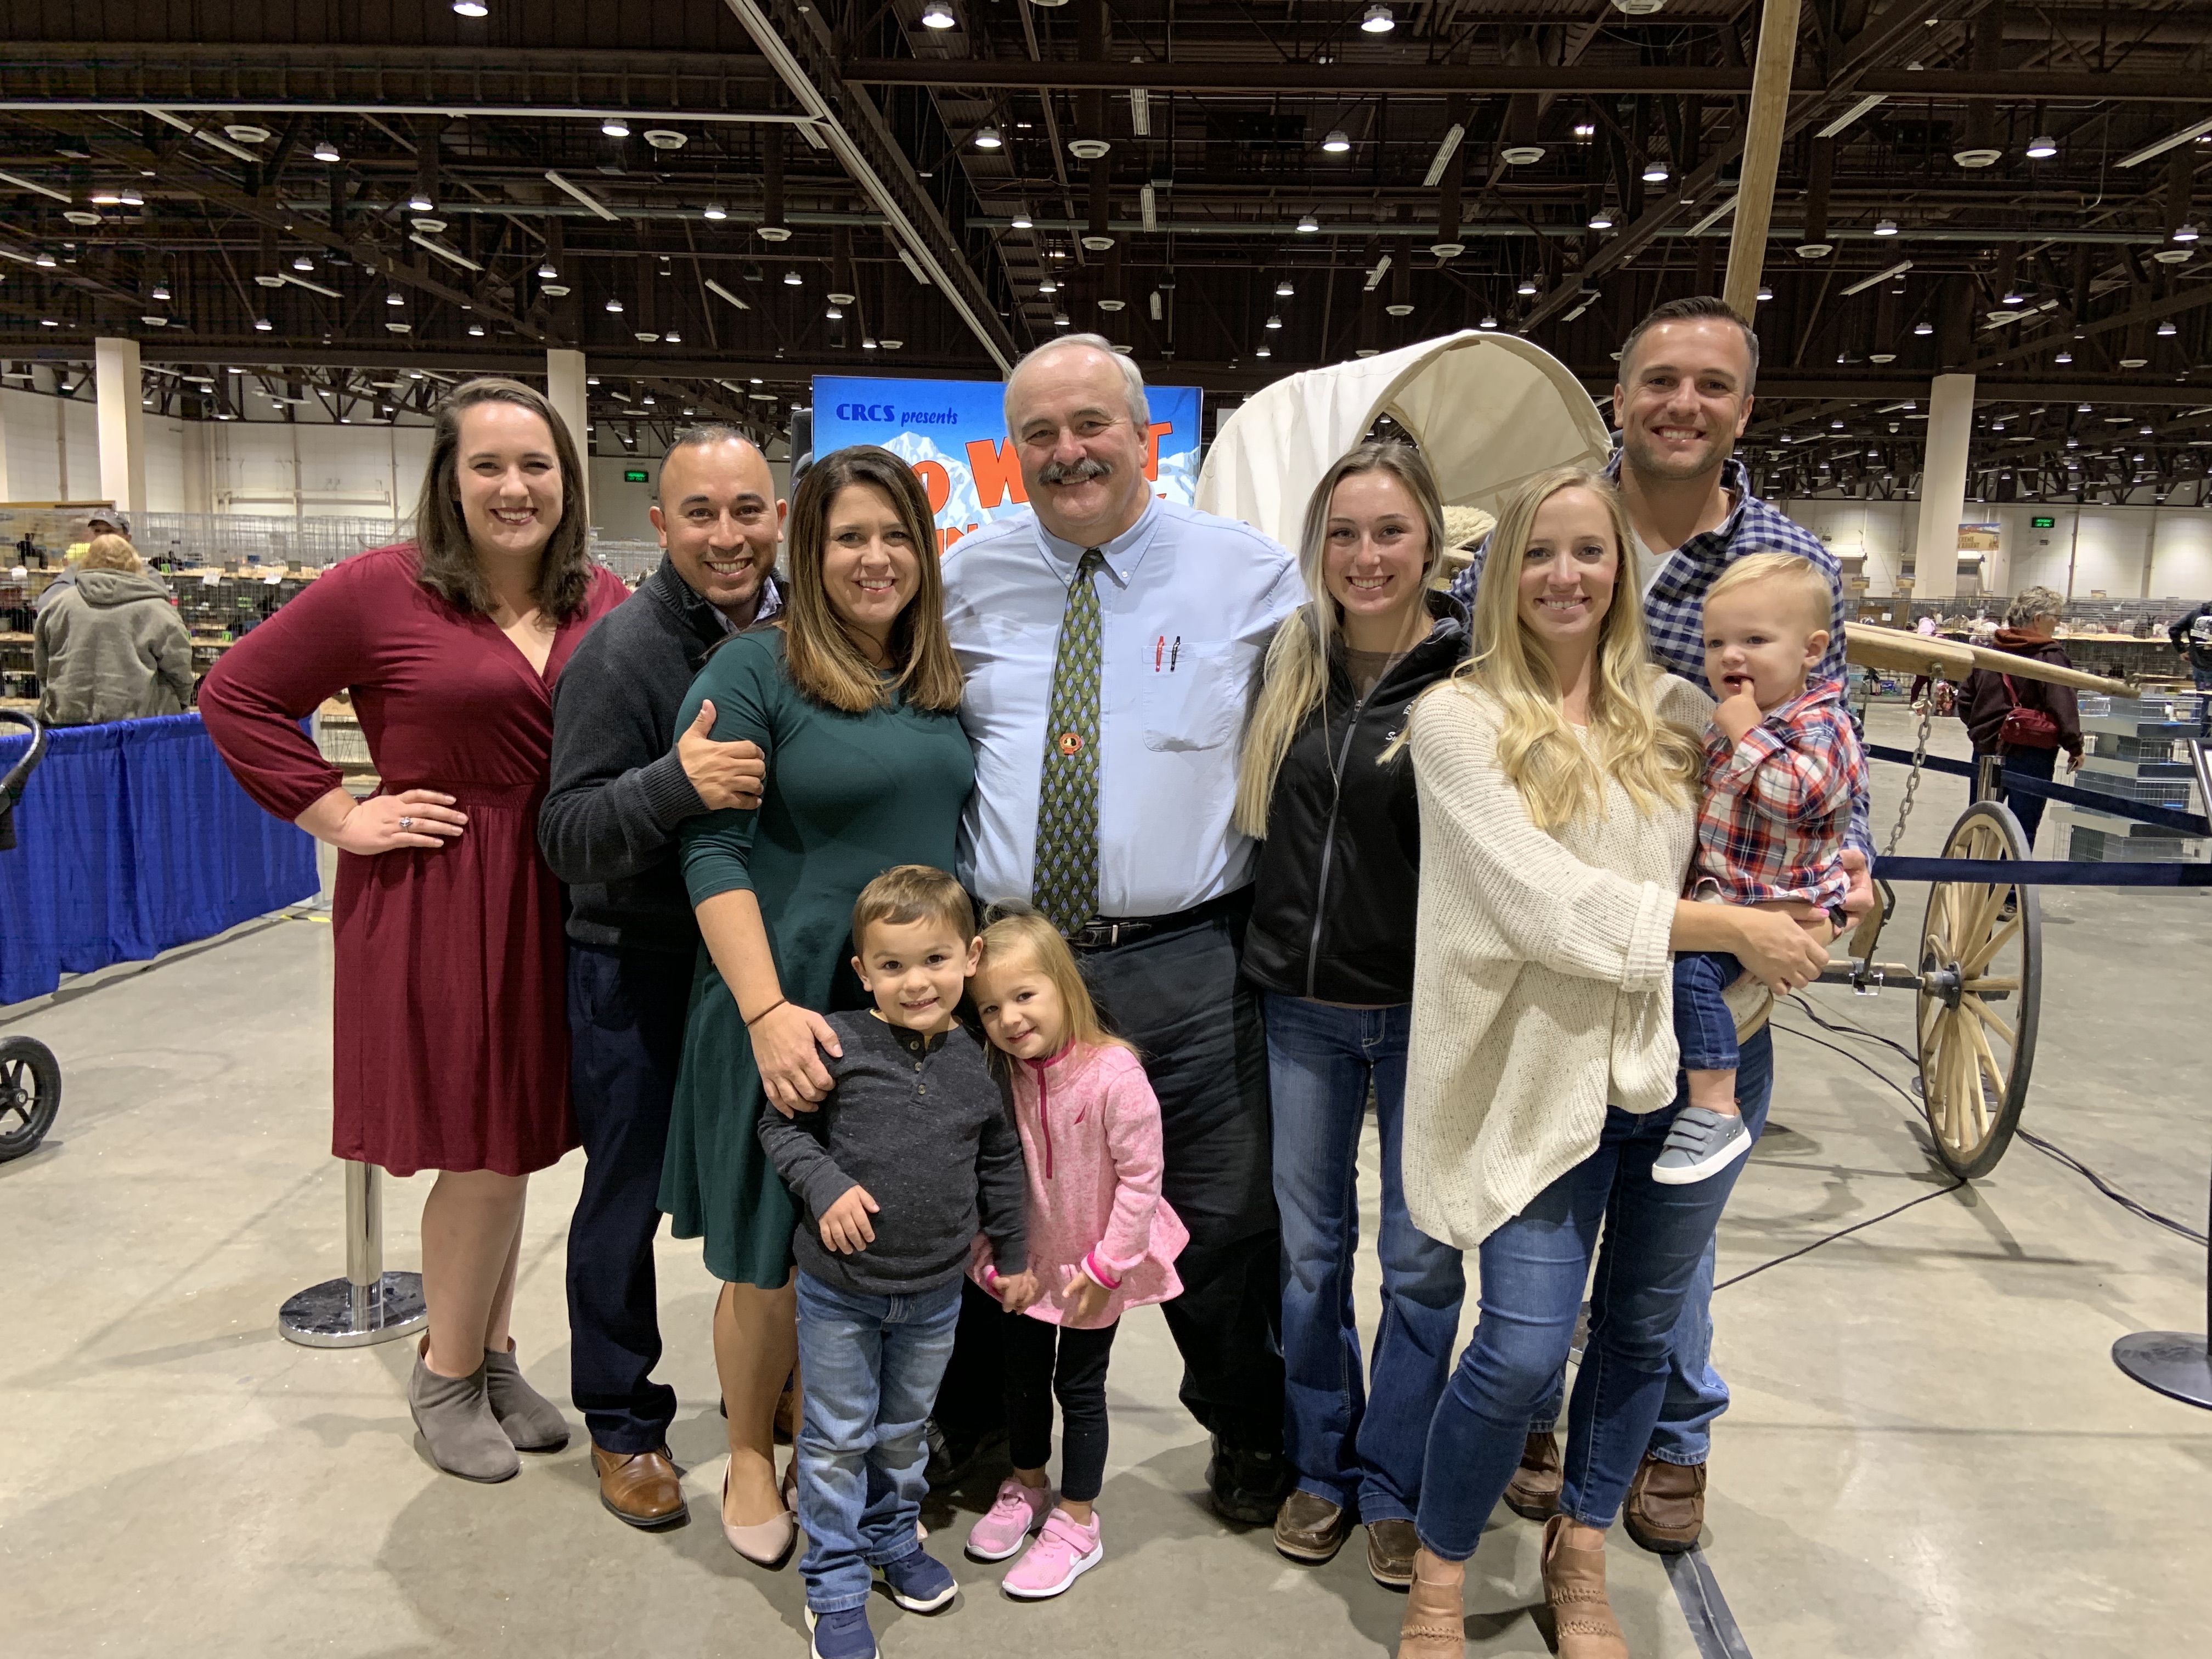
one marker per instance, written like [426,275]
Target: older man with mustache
[1109,639]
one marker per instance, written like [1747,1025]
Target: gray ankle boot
[454,1414]
[531,1421]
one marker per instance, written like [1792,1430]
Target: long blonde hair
[1011,927]
[1296,678]
[1561,777]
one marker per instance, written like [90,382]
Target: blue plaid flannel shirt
[1674,611]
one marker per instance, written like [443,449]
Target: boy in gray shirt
[913,1153]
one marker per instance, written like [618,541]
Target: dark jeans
[1195,1022]
[1360,1450]
[2028,809]
[1648,1239]
[1696,1393]
[1046,1361]
[1702,1025]
[625,1037]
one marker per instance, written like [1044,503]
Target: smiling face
[719,520]
[1021,1009]
[1569,573]
[916,970]
[1763,634]
[1083,457]
[1374,551]
[871,568]
[509,479]
[1684,398]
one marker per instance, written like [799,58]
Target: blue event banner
[953,433]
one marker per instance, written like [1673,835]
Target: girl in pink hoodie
[1101,1238]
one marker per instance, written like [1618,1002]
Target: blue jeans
[1702,1025]
[1695,1393]
[2040,763]
[868,1368]
[1533,1268]
[1357,1452]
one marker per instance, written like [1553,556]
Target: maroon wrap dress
[452,1033]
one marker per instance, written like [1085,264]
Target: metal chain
[1912,779]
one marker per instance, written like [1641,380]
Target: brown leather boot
[1666,1508]
[642,1488]
[1435,1625]
[1584,1626]
[1533,1493]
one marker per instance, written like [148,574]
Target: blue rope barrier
[2166,817]
[2043,872]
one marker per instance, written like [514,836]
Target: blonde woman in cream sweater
[1555,778]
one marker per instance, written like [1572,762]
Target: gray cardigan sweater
[922,1124]
[618,796]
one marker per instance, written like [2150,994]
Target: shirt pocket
[1200,702]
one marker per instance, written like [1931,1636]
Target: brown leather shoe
[642,1488]
[1391,1547]
[1666,1508]
[1308,1529]
[1584,1626]
[1435,1625]
[1533,1493]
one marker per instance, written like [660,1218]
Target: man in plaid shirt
[1683,398]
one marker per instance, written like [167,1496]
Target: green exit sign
[633,475]
[2043,521]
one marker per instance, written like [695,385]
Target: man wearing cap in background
[105,521]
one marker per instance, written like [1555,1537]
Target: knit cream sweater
[1542,982]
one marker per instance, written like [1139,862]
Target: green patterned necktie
[1066,884]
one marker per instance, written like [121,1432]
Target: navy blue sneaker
[841,1635]
[918,1581]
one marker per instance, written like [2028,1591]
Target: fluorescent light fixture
[582,195]
[1866,283]
[2187,134]
[1140,110]
[450,255]
[713,287]
[1338,143]
[21,183]
[1375,276]
[1158,310]
[987,137]
[314,288]
[1148,208]
[1378,20]
[1713,217]
[1445,146]
[1849,116]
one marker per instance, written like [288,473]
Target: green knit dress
[848,796]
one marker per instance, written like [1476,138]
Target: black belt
[1106,932]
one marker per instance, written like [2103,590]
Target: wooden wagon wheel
[1981,983]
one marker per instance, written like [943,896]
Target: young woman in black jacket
[1331,942]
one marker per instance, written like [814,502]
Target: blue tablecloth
[130,839]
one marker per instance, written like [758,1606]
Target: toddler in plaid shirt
[1781,761]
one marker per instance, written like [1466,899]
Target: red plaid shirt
[1777,804]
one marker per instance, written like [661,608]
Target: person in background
[105,522]
[2026,721]
[2192,639]
[619,798]
[111,646]
[1928,627]
[1331,944]
[851,697]
[1110,636]
[1683,398]
[451,1033]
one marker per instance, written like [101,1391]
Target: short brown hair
[449,566]
[1697,307]
[913,892]
[819,655]
[110,553]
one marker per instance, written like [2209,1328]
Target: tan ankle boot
[1435,1625]
[1574,1588]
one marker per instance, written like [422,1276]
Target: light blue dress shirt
[1186,604]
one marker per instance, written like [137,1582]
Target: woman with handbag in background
[2026,721]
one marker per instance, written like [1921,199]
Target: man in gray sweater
[620,794]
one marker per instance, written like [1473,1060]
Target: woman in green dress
[852,697]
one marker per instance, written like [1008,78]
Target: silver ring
[406,823]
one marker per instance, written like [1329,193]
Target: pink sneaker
[1064,1552]
[1016,1512]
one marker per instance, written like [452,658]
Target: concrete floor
[1930,1453]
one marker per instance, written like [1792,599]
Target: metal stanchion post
[2178,1363]
[369,1304]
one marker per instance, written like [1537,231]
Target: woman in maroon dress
[451,1033]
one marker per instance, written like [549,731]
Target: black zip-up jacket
[2183,634]
[1339,872]
[619,796]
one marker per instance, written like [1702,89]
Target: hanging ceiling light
[546,273]
[715,210]
[161,291]
[1308,224]
[1284,290]
[262,325]
[1765,292]
[472,8]
[1022,220]
[301,261]
[1338,141]
[1923,326]
[1060,319]
[1378,20]
[476,331]
[938,16]
[1274,321]
[1885,227]
[1527,286]
[1487,322]
[2063,357]
[834,315]
[395,298]
[1654,173]
[614,305]
[2042,149]
[987,137]
[615,127]
[2184,232]
[325,150]
[2167,330]
[2012,296]
[674,339]
[1601,219]
[793,279]
[1585,129]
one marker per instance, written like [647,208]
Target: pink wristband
[1105,1279]
[990,1276]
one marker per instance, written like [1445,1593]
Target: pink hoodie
[1090,1135]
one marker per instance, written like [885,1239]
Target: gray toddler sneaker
[1701,1143]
